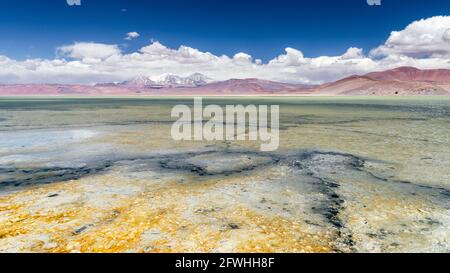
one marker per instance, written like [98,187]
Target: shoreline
[211,96]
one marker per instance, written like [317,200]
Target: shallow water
[104,175]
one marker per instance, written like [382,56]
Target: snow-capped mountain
[197,79]
[169,80]
[140,81]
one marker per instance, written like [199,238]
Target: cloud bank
[424,44]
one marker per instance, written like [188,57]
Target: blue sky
[314,41]
[261,28]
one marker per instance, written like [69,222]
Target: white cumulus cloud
[421,39]
[88,51]
[423,44]
[132,35]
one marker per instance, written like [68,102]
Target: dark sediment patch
[189,167]
[18,178]
[233,226]
[334,203]
[21,178]
[80,230]
[219,163]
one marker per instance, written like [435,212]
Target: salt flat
[103,175]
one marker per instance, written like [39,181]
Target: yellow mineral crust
[151,220]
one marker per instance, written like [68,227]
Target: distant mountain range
[399,81]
